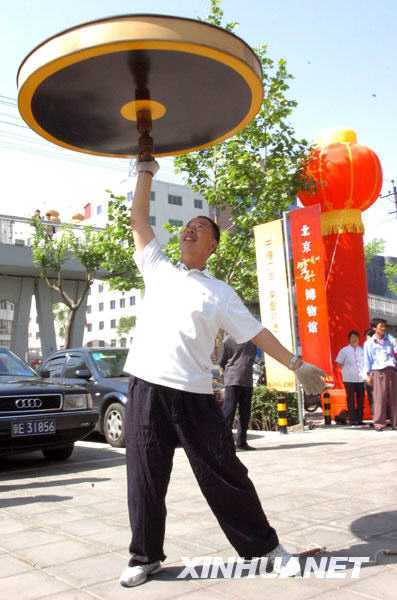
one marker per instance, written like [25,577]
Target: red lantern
[347,178]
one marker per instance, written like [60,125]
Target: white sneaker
[132,576]
[283,563]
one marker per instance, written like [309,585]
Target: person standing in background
[368,388]
[237,362]
[381,369]
[351,360]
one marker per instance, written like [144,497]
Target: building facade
[6,318]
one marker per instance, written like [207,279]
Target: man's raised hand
[147,166]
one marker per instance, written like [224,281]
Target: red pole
[347,290]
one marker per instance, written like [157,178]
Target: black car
[38,415]
[102,370]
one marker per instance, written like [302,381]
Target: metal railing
[380,304]
[18,231]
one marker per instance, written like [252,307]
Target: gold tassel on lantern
[341,221]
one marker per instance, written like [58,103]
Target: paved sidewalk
[64,529]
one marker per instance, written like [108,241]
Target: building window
[132,300]
[100,306]
[89,327]
[175,222]
[152,196]
[113,343]
[113,304]
[129,196]
[101,325]
[88,309]
[101,344]
[152,220]
[123,342]
[5,326]
[38,335]
[177,200]
[122,302]
[198,203]
[98,209]
[113,324]
[100,288]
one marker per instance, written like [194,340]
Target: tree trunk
[69,327]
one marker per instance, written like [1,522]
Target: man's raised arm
[140,209]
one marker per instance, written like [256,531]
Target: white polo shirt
[178,320]
[352,361]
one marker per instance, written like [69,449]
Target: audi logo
[28,403]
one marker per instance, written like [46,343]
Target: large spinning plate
[82,88]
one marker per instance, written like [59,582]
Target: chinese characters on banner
[273,297]
[308,256]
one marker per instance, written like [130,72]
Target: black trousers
[355,400]
[238,395]
[157,419]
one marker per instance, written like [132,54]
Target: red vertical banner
[309,271]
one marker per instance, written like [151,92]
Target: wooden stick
[144,126]
[312,552]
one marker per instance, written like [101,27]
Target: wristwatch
[295,362]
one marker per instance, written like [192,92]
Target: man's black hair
[369,332]
[215,228]
[352,332]
[375,322]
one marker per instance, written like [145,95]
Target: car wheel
[58,453]
[114,425]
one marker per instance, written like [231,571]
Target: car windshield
[12,365]
[110,363]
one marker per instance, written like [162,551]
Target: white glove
[146,166]
[311,378]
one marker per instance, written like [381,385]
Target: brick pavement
[64,527]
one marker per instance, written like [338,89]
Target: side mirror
[83,373]
[44,373]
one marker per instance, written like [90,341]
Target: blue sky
[342,54]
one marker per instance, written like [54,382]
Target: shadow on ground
[22,466]
[23,500]
[44,484]
[293,446]
[378,549]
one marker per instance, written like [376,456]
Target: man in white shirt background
[351,360]
[380,366]
[171,401]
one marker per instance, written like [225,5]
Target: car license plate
[36,427]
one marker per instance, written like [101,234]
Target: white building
[6,317]
[170,203]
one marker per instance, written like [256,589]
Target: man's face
[354,340]
[380,330]
[198,237]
